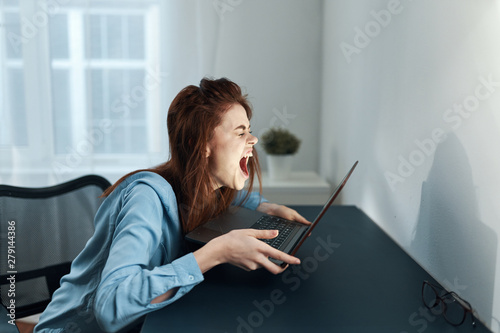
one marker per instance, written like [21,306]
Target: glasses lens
[429,296]
[454,312]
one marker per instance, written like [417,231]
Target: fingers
[276,269]
[293,215]
[279,255]
[264,234]
[256,253]
[273,268]
[299,218]
[269,251]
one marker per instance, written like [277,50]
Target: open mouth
[244,164]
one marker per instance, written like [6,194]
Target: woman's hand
[281,211]
[243,248]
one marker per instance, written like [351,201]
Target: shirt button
[191,277]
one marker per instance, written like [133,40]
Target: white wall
[272,48]
[411,103]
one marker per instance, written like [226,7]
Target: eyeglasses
[453,308]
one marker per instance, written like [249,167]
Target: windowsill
[302,188]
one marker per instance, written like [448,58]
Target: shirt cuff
[187,276]
[252,202]
[188,269]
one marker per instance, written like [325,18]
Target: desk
[353,278]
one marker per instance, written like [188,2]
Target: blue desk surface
[353,278]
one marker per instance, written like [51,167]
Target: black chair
[6,325]
[41,231]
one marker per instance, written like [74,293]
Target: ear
[207,151]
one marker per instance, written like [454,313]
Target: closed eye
[241,134]
[242,128]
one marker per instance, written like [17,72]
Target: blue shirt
[135,255]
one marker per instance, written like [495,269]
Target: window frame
[40,153]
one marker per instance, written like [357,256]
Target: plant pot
[279,166]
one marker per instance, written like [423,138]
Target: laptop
[291,234]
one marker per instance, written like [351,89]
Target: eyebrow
[243,127]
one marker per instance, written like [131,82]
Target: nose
[252,140]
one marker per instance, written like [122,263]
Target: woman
[136,262]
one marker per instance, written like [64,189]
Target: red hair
[192,117]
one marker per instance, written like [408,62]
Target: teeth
[248,155]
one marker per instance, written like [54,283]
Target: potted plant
[280,146]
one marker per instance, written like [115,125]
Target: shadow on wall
[449,238]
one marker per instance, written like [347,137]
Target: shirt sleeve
[128,284]
[253,201]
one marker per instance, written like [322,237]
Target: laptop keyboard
[268,222]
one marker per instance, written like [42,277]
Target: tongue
[243,166]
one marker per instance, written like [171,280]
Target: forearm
[266,207]
[134,291]
[168,295]
[253,200]
[209,255]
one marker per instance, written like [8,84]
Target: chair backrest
[41,231]
[7,325]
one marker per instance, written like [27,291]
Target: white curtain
[85,85]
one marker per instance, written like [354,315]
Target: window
[81,86]
[14,130]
